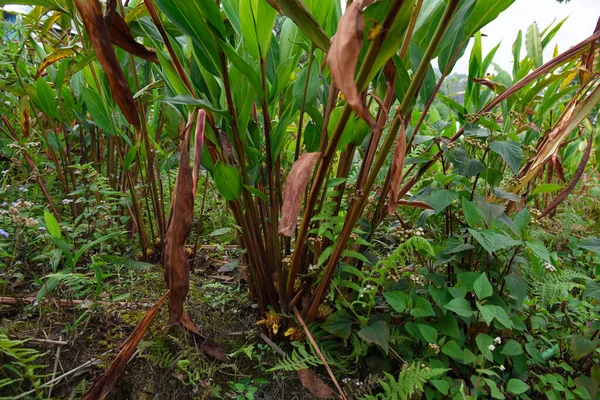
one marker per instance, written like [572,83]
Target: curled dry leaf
[397,168]
[121,36]
[93,20]
[209,347]
[293,192]
[104,384]
[314,384]
[175,261]
[342,58]
[198,143]
[53,57]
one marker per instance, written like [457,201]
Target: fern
[411,380]
[552,286]
[300,359]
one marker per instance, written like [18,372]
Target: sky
[582,17]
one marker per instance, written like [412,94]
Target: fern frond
[411,379]
[299,359]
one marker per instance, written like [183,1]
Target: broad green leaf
[540,250]
[47,98]
[422,308]
[220,231]
[429,333]
[461,307]
[503,318]
[592,289]
[494,391]
[440,199]
[448,325]
[397,300]
[452,349]
[483,287]
[533,42]
[493,241]
[442,386]
[516,386]
[378,333]
[52,225]
[98,110]
[300,14]
[490,211]
[228,180]
[488,312]
[484,12]
[256,23]
[484,342]
[521,221]
[190,101]
[582,347]
[592,243]
[339,324]
[511,153]
[471,211]
[243,67]
[511,348]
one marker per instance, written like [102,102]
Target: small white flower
[550,267]
[67,201]
[498,340]
[502,368]
[492,347]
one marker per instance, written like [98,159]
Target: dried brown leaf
[198,143]
[104,384]
[93,20]
[121,36]
[314,384]
[293,192]
[397,168]
[342,57]
[209,347]
[175,261]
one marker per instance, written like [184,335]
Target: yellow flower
[271,320]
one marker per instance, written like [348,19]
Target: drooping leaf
[342,58]
[461,307]
[104,384]
[396,169]
[293,192]
[300,14]
[93,20]
[121,36]
[378,333]
[339,323]
[56,55]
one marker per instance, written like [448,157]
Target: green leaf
[511,153]
[297,12]
[130,157]
[339,324]
[494,391]
[52,225]
[493,241]
[190,101]
[483,287]
[220,231]
[442,386]
[461,307]
[488,312]
[592,289]
[98,110]
[429,333]
[484,12]
[592,243]
[484,342]
[46,98]
[378,333]
[533,42]
[228,180]
[471,211]
[452,349]
[582,347]
[516,386]
[397,300]
[521,221]
[511,348]
[440,199]
[422,308]
[502,318]
[540,250]
[546,188]
[256,22]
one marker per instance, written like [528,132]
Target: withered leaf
[397,168]
[175,261]
[104,384]
[342,58]
[293,192]
[53,57]
[314,384]
[198,143]
[209,347]
[93,20]
[121,36]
